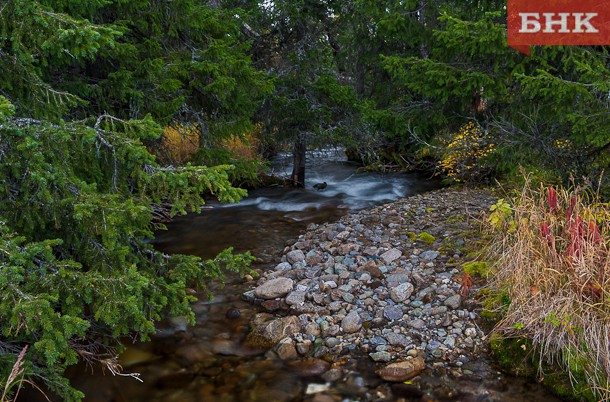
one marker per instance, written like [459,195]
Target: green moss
[426,237]
[480,268]
[514,355]
[412,236]
[519,357]
[457,218]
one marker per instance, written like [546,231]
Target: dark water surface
[209,363]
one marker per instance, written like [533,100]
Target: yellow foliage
[244,146]
[179,143]
[464,151]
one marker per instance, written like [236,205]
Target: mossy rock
[514,355]
[518,356]
[426,237]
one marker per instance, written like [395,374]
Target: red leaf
[552,199]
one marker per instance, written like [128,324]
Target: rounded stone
[402,371]
[351,322]
[295,256]
[273,288]
[401,292]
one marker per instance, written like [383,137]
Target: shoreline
[382,283]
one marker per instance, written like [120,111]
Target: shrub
[553,262]
[462,158]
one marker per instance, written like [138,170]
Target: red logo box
[557,22]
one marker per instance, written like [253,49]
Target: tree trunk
[298,167]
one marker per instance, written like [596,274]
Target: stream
[208,362]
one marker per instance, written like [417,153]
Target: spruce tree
[79,188]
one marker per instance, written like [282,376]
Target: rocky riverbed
[367,308]
[381,284]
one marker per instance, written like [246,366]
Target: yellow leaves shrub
[245,146]
[463,153]
[179,143]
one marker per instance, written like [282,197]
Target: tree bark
[298,167]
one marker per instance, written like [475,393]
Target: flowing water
[208,362]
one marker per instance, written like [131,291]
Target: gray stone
[391,255]
[313,257]
[304,347]
[429,255]
[392,313]
[351,322]
[398,278]
[417,323]
[398,339]
[348,297]
[453,302]
[401,292]
[295,256]
[332,375]
[332,342]
[296,297]
[283,266]
[381,356]
[248,296]
[377,340]
[340,268]
[278,287]
[470,332]
[332,330]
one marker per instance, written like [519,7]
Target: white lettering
[529,25]
[579,22]
[549,22]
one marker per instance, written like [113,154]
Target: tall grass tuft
[552,252]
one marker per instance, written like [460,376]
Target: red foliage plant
[552,199]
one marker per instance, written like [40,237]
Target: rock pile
[383,281]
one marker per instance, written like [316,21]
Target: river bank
[383,285]
[302,344]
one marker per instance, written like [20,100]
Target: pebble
[296,297]
[401,292]
[391,255]
[351,322]
[453,302]
[381,356]
[392,313]
[295,256]
[366,285]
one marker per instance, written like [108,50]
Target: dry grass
[552,252]
[16,379]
